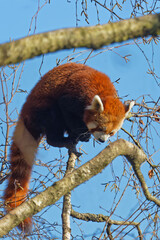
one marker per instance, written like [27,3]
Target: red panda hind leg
[21,160]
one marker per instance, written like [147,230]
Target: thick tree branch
[89,37]
[52,194]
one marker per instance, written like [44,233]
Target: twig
[134,140]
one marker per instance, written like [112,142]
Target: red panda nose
[101,140]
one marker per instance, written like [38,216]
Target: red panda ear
[96,104]
[128,107]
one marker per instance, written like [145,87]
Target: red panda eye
[111,134]
[103,129]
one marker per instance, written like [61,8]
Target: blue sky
[17,21]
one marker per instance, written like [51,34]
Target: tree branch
[52,194]
[102,218]
[90,37]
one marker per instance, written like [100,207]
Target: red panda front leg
[72,109]
[60,142]
[55,129]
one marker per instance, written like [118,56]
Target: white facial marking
[101,136]
[91,125]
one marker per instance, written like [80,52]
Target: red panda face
[104,119]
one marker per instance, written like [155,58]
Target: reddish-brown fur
[18,183]
[76,80]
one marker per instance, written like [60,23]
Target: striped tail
[22,156]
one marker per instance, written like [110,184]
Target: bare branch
[102,218]
[89,37]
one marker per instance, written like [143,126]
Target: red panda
[72,98]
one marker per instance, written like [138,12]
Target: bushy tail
[22,155]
